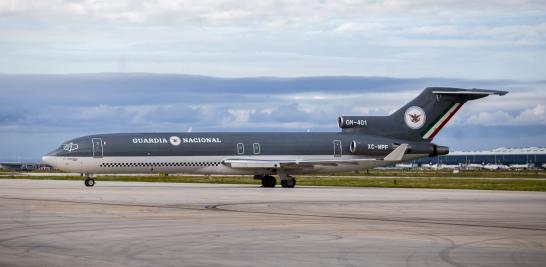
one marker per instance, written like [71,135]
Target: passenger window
[240,148]
[256,147]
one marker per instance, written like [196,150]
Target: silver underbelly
[193,164]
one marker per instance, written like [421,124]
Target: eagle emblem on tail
[415,117]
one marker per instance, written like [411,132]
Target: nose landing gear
[89,181]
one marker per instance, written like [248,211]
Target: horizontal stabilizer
[455,91]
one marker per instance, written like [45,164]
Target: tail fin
[419,120]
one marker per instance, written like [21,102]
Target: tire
[89,182]
[269,181]
[289,183]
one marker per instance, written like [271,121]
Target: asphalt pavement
[63,223]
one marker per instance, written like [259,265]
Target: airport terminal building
[532,157]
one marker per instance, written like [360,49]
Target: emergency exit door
[97,147]
[337,148]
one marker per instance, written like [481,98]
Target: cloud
[400,34]
[353,27]
[144,101]
[135,114]
[139,11]
[490,118]
[531,116]
[472,39]
[239,116]
[59,107]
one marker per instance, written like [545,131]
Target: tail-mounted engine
[367,148]
[345,122]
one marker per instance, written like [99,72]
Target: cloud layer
[468,39]
[37,112]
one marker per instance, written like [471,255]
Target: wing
[395,156]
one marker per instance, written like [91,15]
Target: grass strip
[427,182]
[450,174]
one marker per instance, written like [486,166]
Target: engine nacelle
[366,148]
[352,121]
[427,149]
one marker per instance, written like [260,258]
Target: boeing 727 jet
[364,142]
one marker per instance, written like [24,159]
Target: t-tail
[419,120]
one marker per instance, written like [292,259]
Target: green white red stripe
[436,126]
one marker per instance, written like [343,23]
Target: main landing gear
[289,183]
[270,181]
[89,181]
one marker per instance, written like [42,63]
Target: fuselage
[204,153]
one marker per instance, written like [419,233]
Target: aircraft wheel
[269,181]
[89,182]
[289,183]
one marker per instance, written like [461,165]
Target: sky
[394,38]
[70,68]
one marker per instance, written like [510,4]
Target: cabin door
[337,148]
[97,148]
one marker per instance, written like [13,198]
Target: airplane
[494,167]
[364,142]
[404,166]
[474,166]
[521,166]
[449,166]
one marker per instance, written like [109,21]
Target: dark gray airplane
[364,142]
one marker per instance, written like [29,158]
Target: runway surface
[62,223]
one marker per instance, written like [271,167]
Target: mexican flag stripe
[442,121]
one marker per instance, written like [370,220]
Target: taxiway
[63,223]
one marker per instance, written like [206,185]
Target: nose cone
[47,159]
